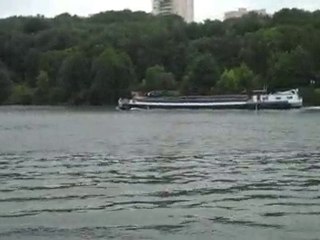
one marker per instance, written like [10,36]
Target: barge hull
[247,106]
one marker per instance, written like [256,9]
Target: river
[86,174]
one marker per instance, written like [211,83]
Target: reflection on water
[98,174]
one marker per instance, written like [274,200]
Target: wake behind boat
[258,100]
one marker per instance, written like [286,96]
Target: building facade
[183,8]
[242,12]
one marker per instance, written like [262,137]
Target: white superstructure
[292,97]
[183,8]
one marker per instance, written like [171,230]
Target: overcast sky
[203,8]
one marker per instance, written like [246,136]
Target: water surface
[101,174]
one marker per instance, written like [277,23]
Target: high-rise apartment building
[183,8]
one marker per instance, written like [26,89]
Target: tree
[158,79]
[292,17]
[41,95]
[5,85]
[291,69]
[15,48]
[31,65]
[74,75]
[237,79]
[257,49]
[203,73]
[51,62]
[251,22]
[229,82]
[21,94]
[112,74]
[35,24]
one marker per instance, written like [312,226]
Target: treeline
[95,60]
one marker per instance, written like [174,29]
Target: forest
[97,59]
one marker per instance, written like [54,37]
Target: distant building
[242,12]
[183,8]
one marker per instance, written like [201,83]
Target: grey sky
[203,8]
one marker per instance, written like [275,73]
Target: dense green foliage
[235,79]
[96,60]
[157,78]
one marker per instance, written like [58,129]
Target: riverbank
[97,59]
[311,98]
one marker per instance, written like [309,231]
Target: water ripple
[198,176]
